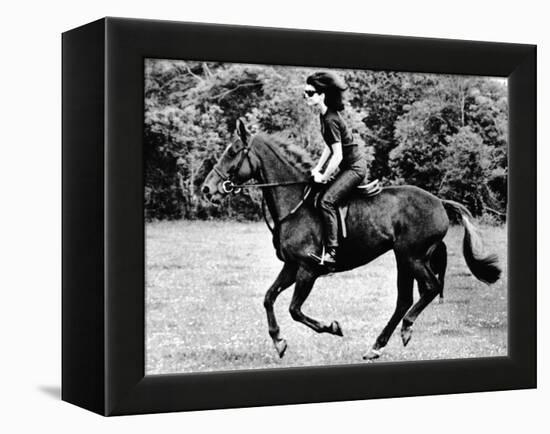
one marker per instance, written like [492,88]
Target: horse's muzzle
[211,195]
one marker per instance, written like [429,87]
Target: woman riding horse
[324,93]
[405,219]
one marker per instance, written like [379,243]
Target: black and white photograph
[275,217]
[301,217]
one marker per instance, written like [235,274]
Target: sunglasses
[309,93]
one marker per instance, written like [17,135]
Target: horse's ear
[242,131]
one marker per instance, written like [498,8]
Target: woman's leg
[342,186]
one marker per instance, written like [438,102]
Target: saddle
[369,189]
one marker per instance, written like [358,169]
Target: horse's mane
[280,143]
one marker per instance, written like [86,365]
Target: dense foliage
[447,134]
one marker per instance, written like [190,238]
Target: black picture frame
[103,225]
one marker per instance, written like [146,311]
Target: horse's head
[234,166]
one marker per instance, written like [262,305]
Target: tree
[466,168]
[409,125]
[453,142]
[383,97]
[422,134]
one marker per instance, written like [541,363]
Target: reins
[307,191]
[230,187]
[269,184]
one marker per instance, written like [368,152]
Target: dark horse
[406,219]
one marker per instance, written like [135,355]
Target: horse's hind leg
[429,286]
[438,263]
[304,283]
[286,277]
[405,281]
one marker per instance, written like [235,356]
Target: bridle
[229,187]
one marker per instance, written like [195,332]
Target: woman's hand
[317,177]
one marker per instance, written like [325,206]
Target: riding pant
[346,181]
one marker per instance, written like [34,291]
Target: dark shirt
[333,130]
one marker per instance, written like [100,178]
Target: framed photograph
[257,216]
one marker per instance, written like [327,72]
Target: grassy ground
[205,287]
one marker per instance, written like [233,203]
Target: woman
[324,91]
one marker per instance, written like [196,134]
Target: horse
[406,219]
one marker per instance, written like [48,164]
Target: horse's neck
[280,200]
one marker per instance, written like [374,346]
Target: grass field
[204,304]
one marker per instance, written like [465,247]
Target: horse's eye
[231,152]
[235,148]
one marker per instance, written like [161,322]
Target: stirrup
[328,258]
[322,259]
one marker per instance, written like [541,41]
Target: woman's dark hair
[332,86]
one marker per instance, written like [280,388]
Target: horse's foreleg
[405,281]
[286,277]
[304,283]
[429,286]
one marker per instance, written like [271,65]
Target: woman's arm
[334,162]
[324,157]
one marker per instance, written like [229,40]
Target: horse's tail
[483,267]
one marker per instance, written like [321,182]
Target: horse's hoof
[406,334]
[372,354]
[441,300]
[280,346]
[336,329]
